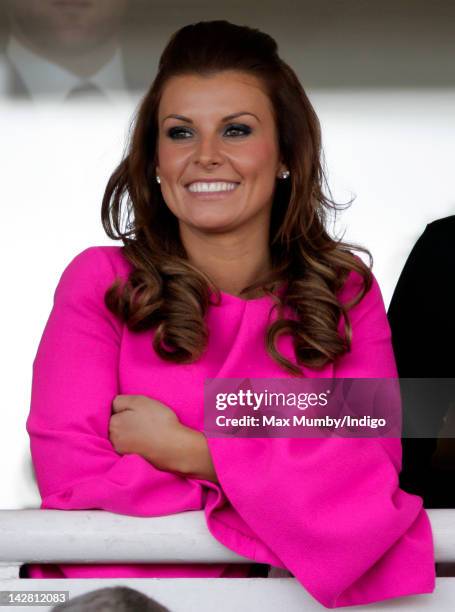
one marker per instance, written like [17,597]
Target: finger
[121,402]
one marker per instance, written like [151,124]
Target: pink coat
[328,510]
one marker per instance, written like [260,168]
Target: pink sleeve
[331,509]
[74,382]
[371,354]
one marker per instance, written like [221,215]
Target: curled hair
[164,291]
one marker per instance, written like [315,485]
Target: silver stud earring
[158,180]
[285,174]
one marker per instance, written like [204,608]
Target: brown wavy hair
[164,291]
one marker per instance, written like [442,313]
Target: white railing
[54,536]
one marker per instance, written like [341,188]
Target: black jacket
[422,318]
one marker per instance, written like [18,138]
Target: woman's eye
[233,131]
[179,133]
[238,130]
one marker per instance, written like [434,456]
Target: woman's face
[218,155]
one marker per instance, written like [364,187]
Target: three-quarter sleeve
[75,379]
[331,508]
[371,353]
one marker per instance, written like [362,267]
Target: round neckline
[235,299]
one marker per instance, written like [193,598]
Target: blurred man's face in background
[66,26]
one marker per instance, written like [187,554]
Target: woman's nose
[208,151]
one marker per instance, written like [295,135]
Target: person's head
[217,131]
[211,70]
[185,134]
[66,27]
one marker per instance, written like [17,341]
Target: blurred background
[381,76]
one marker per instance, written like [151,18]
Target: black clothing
[422,319]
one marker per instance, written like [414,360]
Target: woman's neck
[231,261]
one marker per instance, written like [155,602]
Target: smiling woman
[206,155]
[226,270]
[218,172]
[224,108]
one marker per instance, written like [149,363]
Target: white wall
[391,146]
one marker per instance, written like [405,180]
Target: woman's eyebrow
[228,118]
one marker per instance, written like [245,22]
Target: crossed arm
[91,447]
[148,428]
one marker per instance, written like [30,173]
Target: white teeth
[209,187]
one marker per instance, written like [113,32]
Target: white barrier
[53,536]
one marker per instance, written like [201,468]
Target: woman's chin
[210,224]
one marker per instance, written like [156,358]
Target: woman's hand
[148,428]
